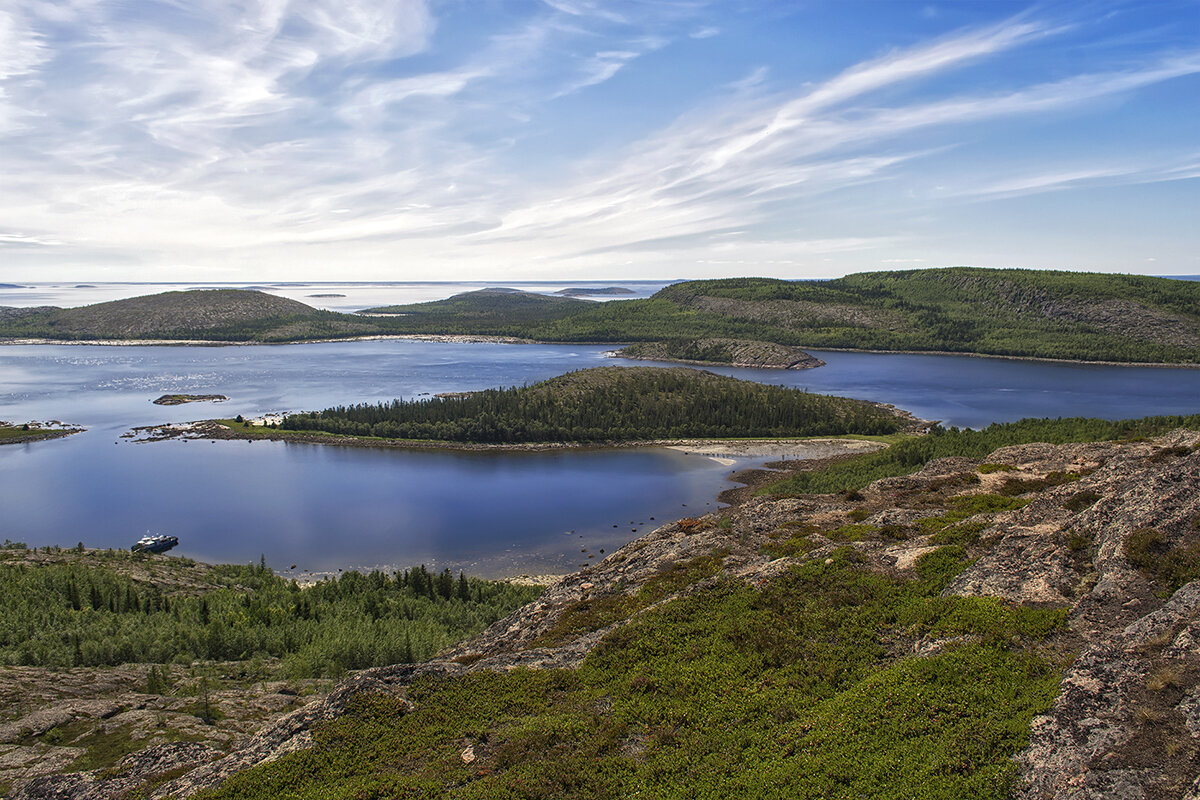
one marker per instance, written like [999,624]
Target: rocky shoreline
[738,448]
[1126,721]
[180,399]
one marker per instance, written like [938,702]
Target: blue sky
[471,139]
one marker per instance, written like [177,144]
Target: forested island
[610,404]
[1000,312]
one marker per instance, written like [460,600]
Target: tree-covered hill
[204,314]
[1010,312]
[608,404]
[484,308]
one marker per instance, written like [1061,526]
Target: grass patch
[966,533]
[1170,565]
[851,533]
[966,507]
[785,692]
[1081,500]
[593,614]
[792,546]
[1015,486]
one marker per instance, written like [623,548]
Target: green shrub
[789,691]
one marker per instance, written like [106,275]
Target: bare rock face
[736,352]
[132,772]
[1126,723]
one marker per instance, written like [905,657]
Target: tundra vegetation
[831,679]
[796,690]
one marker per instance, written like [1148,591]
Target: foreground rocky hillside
[1020,625]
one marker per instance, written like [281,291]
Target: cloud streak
[261,135]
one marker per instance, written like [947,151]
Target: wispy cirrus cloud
[265,134]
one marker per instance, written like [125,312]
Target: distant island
[1011,313]
[11,286]
[180,399]
[330,294]
[594,292]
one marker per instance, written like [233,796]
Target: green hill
[1010,312]
[208,314]
[608,404]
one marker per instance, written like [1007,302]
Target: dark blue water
[491,513]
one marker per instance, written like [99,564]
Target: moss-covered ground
[804,687]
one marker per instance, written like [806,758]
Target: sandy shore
[723,450]
[728,451]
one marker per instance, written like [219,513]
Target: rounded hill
[611,404]
[195,310]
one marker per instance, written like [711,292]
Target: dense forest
[86,612]
[609,404]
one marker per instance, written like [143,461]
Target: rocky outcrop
[1059,533]
[133,772]
[718,352]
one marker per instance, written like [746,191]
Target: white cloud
[270,134]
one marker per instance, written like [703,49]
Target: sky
[408,140]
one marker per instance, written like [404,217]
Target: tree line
[75,614]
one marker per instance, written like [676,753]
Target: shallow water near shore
[324,508]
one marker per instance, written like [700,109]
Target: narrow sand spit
[726,452]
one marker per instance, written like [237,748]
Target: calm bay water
[322,508]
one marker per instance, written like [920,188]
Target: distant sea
[338,296]
[344,296]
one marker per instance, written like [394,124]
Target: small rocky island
[180,399]
[728,352]
[20,433]
[586,291]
